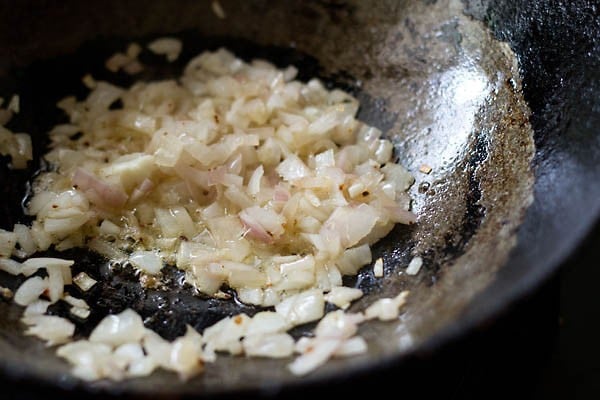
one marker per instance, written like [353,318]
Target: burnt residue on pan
[436,81]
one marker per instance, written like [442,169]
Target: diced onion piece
[254,182]
[36,308]
[79,312]
[118,329]
[5,116]
[116,62]
[107,249]
[23,152]
[92,360]
[54,330]
[55,284]
[30,290]
[147,261]
[249,295]
[225,335]
[351,224]
[14,104]
[6,293]
[89,81]
[297,274]
[266,322]
[303,307]
[351,347]
[353,259]
[400,215]
[207,278]
[11,266]
[8,240]
[24,239]
[141,367]
[386,309]
[31,265]
[338,324]
[243,275]
[185,354]
[342,296]
[414,266]
[168,46]
[378,268]
[272,345]
[131,170]
[97,191]
[80,303]
[109,228]
[263,224]
[218,9]
[157,349]
[84,281]
[398,175]
[67,130]
[425,168]
[320,352]
[292,168]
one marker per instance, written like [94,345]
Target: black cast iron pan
[500,99]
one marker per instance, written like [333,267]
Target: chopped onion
[266,322]
[378,268]
[353,259]
[351,347]
[6,293]
[303,307]
[52,329]
[272,345]
[218,9]
[55,284]
[119,329]
[185,354]
[338,324]
[76,302]
[147,261]
[386,309]
[342,296]
[92,360]
[318,355]
[11,266]
[263,224]
[170,47]
[225,335]
[292,168]
[8,240]
[31,265]
[79,312]
[236,173]
[30,290]
[350,224]
[36,308]
[414,266]
[24,239]
[84,281]
[97,191]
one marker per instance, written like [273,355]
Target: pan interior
[434,80]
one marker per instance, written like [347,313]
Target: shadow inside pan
[435,81]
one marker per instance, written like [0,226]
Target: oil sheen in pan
[449,95]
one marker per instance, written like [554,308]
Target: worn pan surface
[499,99]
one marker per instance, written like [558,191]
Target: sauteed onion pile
[236,173]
